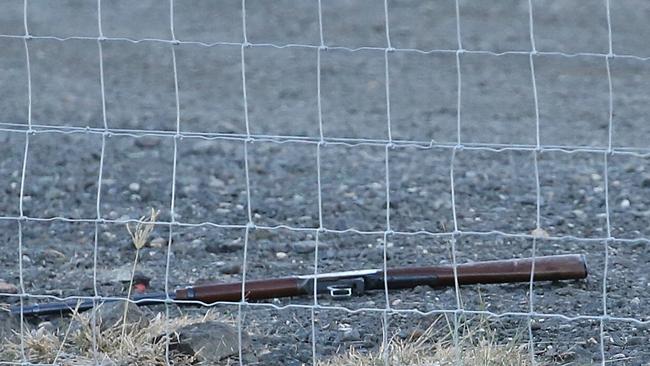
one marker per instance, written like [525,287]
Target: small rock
[7,288]
[134,187]
[218,248]
[52,256]
[108,235]
[308,246]
[215,182]
[278,246]
[196,248]
[120,274]
[578,213]
[471,174]
[48,326]
[534,325]
[230,268]
[350,335]
[209,342]
[111,314]
[158,242]
[625,203]
[53,194]
[635,341]
[250,359]
[281,255]
[645,183]
[539,233]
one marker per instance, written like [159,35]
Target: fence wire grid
[605,153]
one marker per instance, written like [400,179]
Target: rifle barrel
[60,307]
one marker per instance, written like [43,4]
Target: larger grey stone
[111,314]
[209,342]
[9,326]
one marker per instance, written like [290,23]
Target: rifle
[346,284]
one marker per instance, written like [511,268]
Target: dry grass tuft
[434,346]
[477,346]
[74,346]
[143,229]
[139,235]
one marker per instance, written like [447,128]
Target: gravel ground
[493,190]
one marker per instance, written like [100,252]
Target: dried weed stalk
[140,236]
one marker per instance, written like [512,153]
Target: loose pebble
[230,268]
[134,187]
[158,242]
[540,233]
[7,288]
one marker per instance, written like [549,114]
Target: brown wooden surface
[549,268]
[255,290]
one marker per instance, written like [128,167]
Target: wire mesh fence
[382,132]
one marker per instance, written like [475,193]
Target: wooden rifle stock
[255,290]
[345,284]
